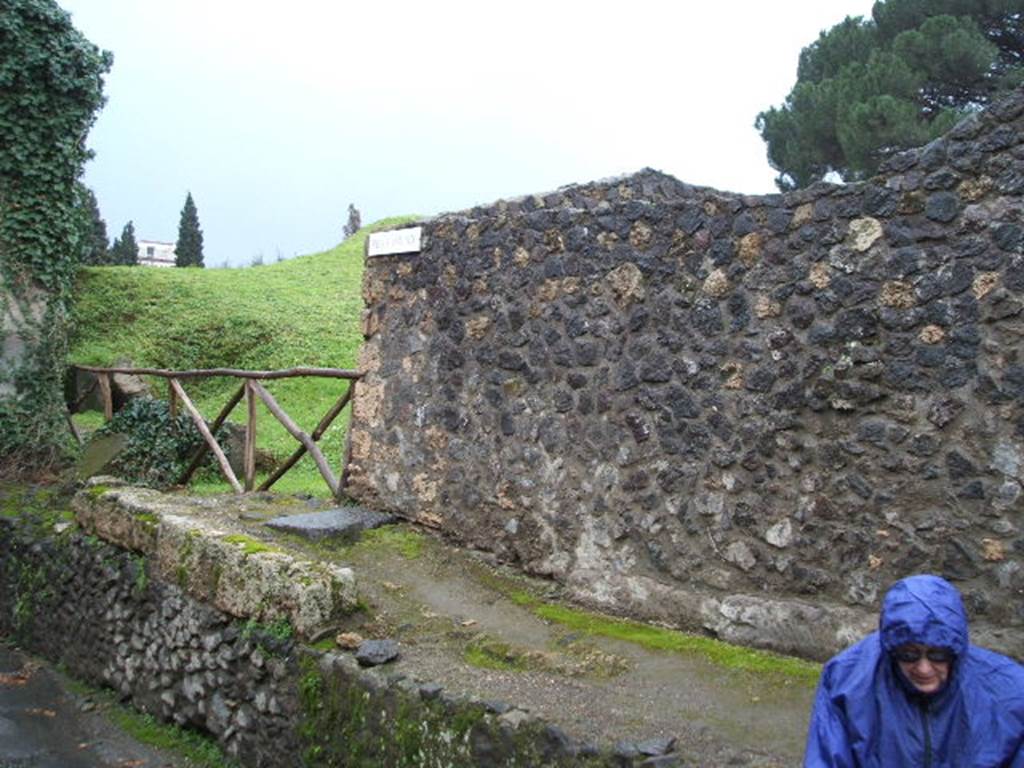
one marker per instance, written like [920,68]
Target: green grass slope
[300,312]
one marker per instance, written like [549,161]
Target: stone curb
[233,573]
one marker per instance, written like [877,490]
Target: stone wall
[94,608]
[17,316]
[720,410]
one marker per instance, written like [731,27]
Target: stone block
[340,523]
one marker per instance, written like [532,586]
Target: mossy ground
[192,748]
[591,624]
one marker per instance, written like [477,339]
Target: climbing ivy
[51,87]
[158,447]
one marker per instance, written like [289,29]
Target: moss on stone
[657,638]
[249,545]
[96,491]
[493,654]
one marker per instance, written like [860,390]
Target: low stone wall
[95,609]
[229,571]
[104,612]
[719,410]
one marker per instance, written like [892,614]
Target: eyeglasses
[910,655]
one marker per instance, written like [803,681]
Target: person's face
[926,674]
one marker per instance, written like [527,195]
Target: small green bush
[159,448]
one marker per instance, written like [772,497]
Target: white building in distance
[153,253]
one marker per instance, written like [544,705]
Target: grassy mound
[301,312]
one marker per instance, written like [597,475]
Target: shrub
[159,447]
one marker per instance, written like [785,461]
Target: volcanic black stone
[760,380]
[879,201]
[1002,137]
[659,746]
[821,333]
[563,401]
[941,179]
[373,653]
[1007,236]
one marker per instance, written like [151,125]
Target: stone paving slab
[341,522]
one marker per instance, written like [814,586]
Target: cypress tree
[125,251]
[189,248]
[94,229]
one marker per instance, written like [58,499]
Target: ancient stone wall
[720,410]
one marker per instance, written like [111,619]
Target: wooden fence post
[250,436]
[107,396]
[204,430]
[172,398]
[298,434]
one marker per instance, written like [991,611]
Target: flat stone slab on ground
[100,454]
[344,522]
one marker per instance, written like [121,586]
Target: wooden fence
[252,390]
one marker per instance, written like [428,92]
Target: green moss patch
[591,624]
[492,654]
[657,638]
[196,750]
[249,545]
[405,541]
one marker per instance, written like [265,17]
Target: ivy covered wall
[50,90]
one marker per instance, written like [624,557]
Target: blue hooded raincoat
[868,715]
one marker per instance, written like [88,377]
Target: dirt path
[462,623]
[596,688]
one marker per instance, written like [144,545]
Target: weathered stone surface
[373,653]
[341,522]
[790,625]
[99,455]
[864,233]
[731,363]
[781,534]
[183,662]
[231,571]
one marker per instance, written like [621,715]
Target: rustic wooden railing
[252,390]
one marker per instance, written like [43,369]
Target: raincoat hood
[923,609]
[868,715]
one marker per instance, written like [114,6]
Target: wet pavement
[44,725]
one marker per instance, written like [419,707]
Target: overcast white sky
[277,115]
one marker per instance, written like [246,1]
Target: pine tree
[869,87]
[189,248]
[125,251]
[354,221]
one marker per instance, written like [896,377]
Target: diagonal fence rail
[253,391]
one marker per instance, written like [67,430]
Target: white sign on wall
[396,241]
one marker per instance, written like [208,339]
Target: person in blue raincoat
[917,693]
